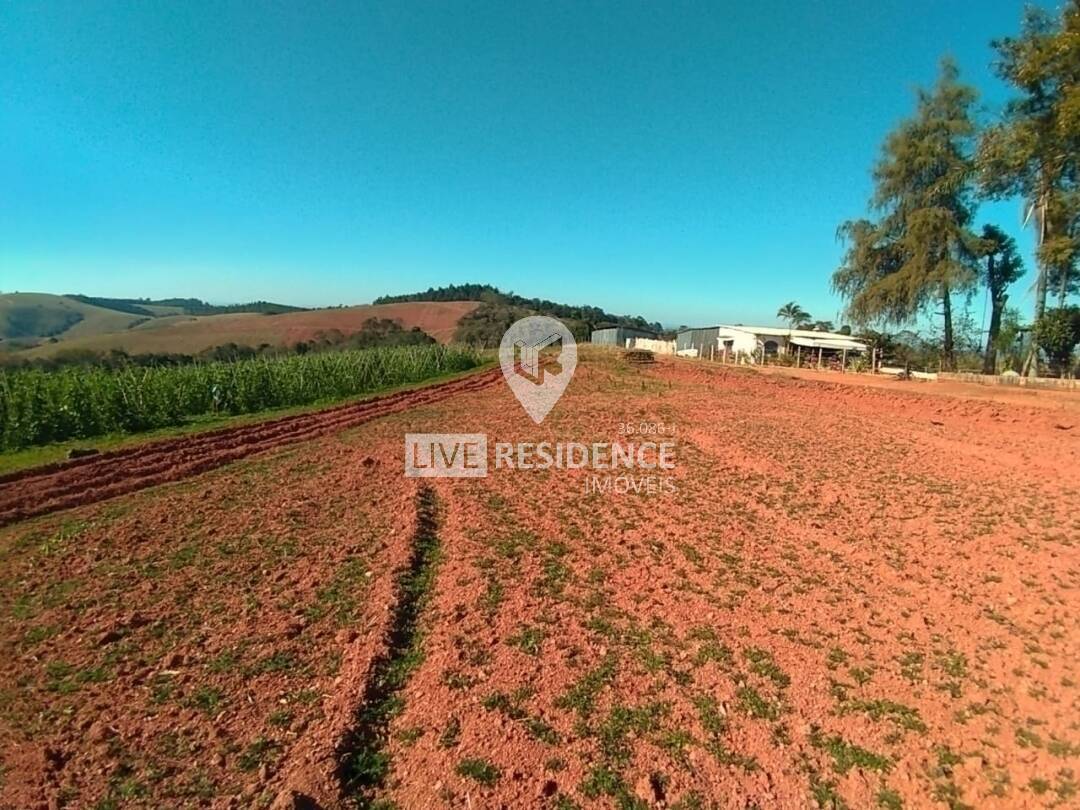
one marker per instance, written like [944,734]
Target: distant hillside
[29,318]
[192,334]
[38,320]
[498,310]
[181,306]
[39,325]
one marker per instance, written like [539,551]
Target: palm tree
[795,315]
[823,326]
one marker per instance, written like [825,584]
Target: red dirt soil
[1063,400]
[203,630]
[855,597]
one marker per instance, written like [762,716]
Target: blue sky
[686,161]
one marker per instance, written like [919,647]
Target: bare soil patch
[1063,400]
[855,597]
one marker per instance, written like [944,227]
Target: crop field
[38,407]
[854,597]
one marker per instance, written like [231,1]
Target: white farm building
[755,343]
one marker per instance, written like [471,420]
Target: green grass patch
[755,705]
[528,639]
[847,755]
[479,770]
[581,696]
[903,716]
[762,663]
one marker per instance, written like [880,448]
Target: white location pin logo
[538,385]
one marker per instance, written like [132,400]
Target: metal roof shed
[618,335]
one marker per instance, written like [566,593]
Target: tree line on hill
[485,325]
[187,306]
[920,248]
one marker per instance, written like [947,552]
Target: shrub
[1058,332]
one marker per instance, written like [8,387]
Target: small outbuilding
[620,336]
[696,342]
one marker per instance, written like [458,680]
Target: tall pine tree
[920,251]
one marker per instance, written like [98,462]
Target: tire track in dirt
[38,491]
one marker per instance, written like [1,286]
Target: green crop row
[39,407]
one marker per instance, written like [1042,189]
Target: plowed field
[853,597]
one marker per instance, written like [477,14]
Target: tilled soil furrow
[158,458]
[363,757]
[37,492]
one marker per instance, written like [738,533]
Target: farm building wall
[701,340]
[618,335]
[605,337]
[737,340]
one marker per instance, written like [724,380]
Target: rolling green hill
[40,325]
[27,319]
[31,319]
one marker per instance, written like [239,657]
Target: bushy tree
[1058,332]
[485,325]
[1008,343]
